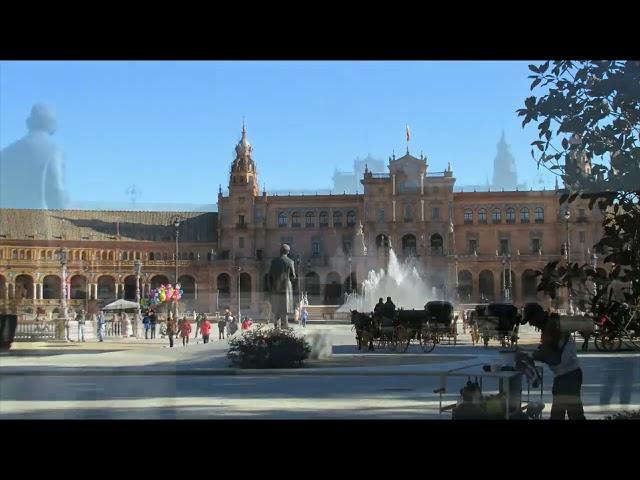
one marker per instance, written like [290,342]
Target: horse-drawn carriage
[498,321]
[428,327]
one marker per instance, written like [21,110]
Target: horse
[365,328]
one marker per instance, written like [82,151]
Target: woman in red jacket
[205,329]
[185,331]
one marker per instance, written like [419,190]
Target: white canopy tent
[121,305]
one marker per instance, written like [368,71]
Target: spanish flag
[408,133]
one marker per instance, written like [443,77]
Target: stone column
[393,202]
[35,292]
[422,209]
[6,291]
[195,289]
[12,290]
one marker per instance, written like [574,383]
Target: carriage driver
[389,309]
[377,310]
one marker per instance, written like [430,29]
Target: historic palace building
[469,246]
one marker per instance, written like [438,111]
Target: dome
[244,148]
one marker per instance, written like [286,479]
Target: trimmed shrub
[268,348]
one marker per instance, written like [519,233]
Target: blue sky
[170,127]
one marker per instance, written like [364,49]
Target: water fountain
[401,282]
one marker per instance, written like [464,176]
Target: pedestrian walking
[185,331]
[221,327]
[171,330]
[81,320]
[153,323]
[303,317]
[199,320]
[205,329]
[101,324]
[146,323]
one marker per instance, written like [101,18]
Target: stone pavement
[128,378]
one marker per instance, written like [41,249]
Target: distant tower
[578,162]
[504,167]
[244,176]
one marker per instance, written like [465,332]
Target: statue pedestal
[321,345]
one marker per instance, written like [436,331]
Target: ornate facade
[470,246]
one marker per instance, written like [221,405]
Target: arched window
[125,255]
[511,215]
[496,215]
[437,247]
[83,255]
[43,255]
[468,215]
[324,219]
[524,215]
[151,256]
[309,220]
[351,218]
[539,215]
[295,220]
[282,220]
[192,256]
[337,219]
[482,215]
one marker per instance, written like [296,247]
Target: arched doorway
[437,245]
[312,286]
[351,286]
[78,287]
[51,286]
[382,241]
[529,286]
[158,280]
[130,287]
[223,284]
[188,286]
[245,290]
[106,289]
[465,286]
[24,284]
[409,245]
[333,289]
[485,281]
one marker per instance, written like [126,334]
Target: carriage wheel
[610,344]
[427,342]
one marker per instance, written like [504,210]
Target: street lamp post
[64,315]
[176,224]
[239,294]
[137,268]
[350,284]
[567,251]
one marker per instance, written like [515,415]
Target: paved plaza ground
[134,378]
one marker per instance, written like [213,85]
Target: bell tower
[243,177]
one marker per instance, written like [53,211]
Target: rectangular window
[259,254]
[535,245]
[582,237]
[241,242]
[241,220]
[315,248]
[468,216]
[473,247]
[381,215]
[347,246]
[435,213]
[504,246]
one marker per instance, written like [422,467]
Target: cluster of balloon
[165,294]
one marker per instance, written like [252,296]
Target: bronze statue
[279,285]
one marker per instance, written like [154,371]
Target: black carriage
[439,324]
[498,321]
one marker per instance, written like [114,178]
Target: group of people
[384,309]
